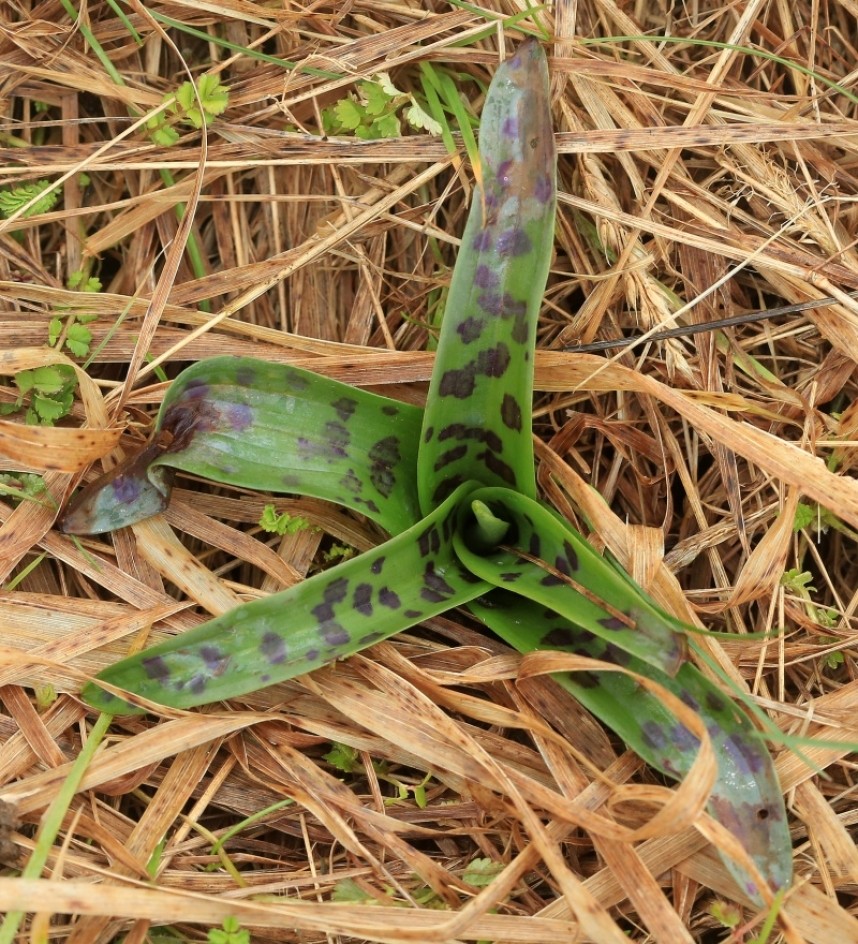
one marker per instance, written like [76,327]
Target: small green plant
[482,872]
[348,891]
[12,199]
[71,333]
[24,486]
[338,552]
[196,105]
[377,110]
[343,758]
[819,519]
[46,393]
[230,932]
[284,523]
[798,582]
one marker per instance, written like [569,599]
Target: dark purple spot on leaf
[513,242]
[561,564]
[370,638]
[215,659]
[509,127]
[351,483]
[558,638]
[429,541]
[435,587]
[413,614]
[345,406]
[156,669]
[451,455]
[383,456]
[494,361]
[470,329]
[336,590]
[491,303]
[482,241]
[543,189]
[377,564]
[688,699]
[510,576]
[245,376]
[273,648]
[458,383]
[511,412]
[497,466]
[521,330]
[239,416]
[126,488]
[485,276]
[323,612]
[362,599]
[446,488]
[389,598]
[715,702]
[683,740]
[654,735]
[195,390]
[338,439]
[334,634]
[571,556]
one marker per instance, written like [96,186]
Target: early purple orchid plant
[454,486]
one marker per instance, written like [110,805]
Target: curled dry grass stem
[685,442]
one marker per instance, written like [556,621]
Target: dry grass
[727,180]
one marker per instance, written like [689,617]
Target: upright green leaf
[477,421]
[545,561]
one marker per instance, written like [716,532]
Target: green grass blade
[477,421]
[332,615]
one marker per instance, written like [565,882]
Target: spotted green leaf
[745,798]
[246,422]
[334,614]
[477,420]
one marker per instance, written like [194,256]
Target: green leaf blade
[411,577]
[271,427]
[746,797]
[549,563]
[483,373]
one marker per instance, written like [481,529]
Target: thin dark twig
[687,330]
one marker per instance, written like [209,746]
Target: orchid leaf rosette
[454,487]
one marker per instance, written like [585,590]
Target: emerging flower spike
[454,486]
